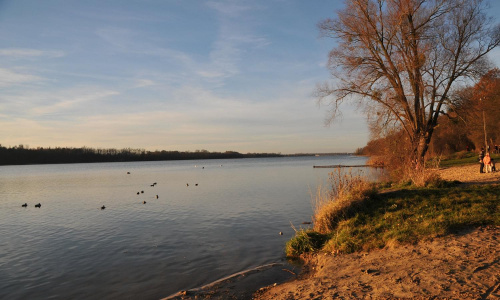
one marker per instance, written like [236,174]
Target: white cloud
[10,77]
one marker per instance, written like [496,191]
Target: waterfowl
[142,192]
[138,193]
[156,196]
[196,184]
[25,205]
[103,207]
[38,205]
[187,184]
[144,202]
[128,172]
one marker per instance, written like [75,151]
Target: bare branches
[405,56]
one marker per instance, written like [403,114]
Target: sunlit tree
[478,108]
[402,59]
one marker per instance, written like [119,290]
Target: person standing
[487,162]
[481,161]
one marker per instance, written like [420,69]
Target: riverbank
[462,265]
[242,285]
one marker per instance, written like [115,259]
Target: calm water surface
[190,236]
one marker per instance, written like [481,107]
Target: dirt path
[469,174]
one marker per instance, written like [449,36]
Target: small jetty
[350,166]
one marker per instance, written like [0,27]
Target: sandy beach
[465,265]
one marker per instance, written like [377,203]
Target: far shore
[464,265]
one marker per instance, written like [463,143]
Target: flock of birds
[144,202]
[104,207]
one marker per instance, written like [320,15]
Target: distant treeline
[20,155]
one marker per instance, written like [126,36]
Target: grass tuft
[305,241]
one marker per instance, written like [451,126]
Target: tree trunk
[421,145]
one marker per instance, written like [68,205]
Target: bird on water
[25,205]
[38,205]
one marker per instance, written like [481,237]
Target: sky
[170,75]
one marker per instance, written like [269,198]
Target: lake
[227,220]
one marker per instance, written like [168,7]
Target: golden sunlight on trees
[474,121]
[401,59]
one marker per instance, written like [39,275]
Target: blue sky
[169,75]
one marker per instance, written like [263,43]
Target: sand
[465,265]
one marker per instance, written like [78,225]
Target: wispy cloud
[69,101]
[230,8]
[10,77]
[176,75]
[235,37]
[27,53]
[117,37]
[140,83]
[44,104]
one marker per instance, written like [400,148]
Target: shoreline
[462,265]
[242,285]
[465,265]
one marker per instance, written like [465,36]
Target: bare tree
[402,58]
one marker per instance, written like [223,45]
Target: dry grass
[352,216]
[347,193]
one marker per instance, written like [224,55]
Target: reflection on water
[188,237]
